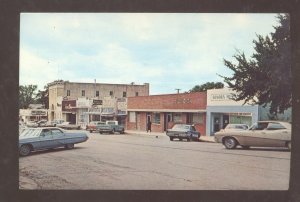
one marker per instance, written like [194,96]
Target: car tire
[230,143]
[91,131]
[171,138]
[69,146]
[25,150]
[180,139]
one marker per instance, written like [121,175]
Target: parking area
[153,162]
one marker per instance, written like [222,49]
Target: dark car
[183,131]
[32,139]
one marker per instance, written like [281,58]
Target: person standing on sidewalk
[149,126]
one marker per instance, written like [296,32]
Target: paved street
[147,162]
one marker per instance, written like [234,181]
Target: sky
[167,50]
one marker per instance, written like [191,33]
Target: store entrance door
[225,120]
[216,124]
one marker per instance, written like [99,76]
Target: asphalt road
[141,162]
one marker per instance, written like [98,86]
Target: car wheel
[245,147]
[180,139]
[230,143]
[25,150]
[171,138]
[69,146]
[91,131]
[100,132]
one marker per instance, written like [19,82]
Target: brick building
[166,110]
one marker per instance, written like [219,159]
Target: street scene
[155,101]
[153,162]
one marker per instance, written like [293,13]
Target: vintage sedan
[183,131]
[260,134]
[32,139]
[68,126]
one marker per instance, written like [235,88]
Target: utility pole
[177,90]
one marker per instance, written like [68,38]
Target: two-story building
[82,102]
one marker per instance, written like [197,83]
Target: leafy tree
[26,95]
[266,76]
[42,97]
[207,86]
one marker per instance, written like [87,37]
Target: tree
[42,97]
[207,86]
[266,77]
[26,95]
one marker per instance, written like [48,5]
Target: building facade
[80,103]
[166,110]
[35,112]
[222,110]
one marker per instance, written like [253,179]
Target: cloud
[162,49]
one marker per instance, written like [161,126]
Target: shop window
[124,94]
[68,93]
[156,118]
[111,93]
[177,118]
[97,93]
[132,117]
[197,118]
[83,93]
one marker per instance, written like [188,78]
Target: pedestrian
[149,126]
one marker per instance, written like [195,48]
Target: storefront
[222,110]
[166,110]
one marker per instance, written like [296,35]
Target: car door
[59,138]
[46,139]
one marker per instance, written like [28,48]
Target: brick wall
[169,101]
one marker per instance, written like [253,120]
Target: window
[177,118]
[97,93]
[197,118]
[156,118]
[132,117]
[111,93]
[136,93]
[83,93]
[68,92]
[124,94]
[275,126]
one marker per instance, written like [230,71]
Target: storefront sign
[241,114]
[183,101]
[97,102]
[221,97]
[38,113]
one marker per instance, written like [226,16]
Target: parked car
[260,134]
[56,121]
[33,139]
[183,131]
[92,126]
[32,124]
[42,123]
[110,127]
[68,126]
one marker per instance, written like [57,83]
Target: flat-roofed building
[72,100]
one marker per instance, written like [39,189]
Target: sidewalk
[203,138]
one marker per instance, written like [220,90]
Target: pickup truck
[183,131]
[110,127]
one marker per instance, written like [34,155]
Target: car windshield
[30,132]
[181,127]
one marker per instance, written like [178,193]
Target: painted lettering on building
[221,97]
[183,101]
